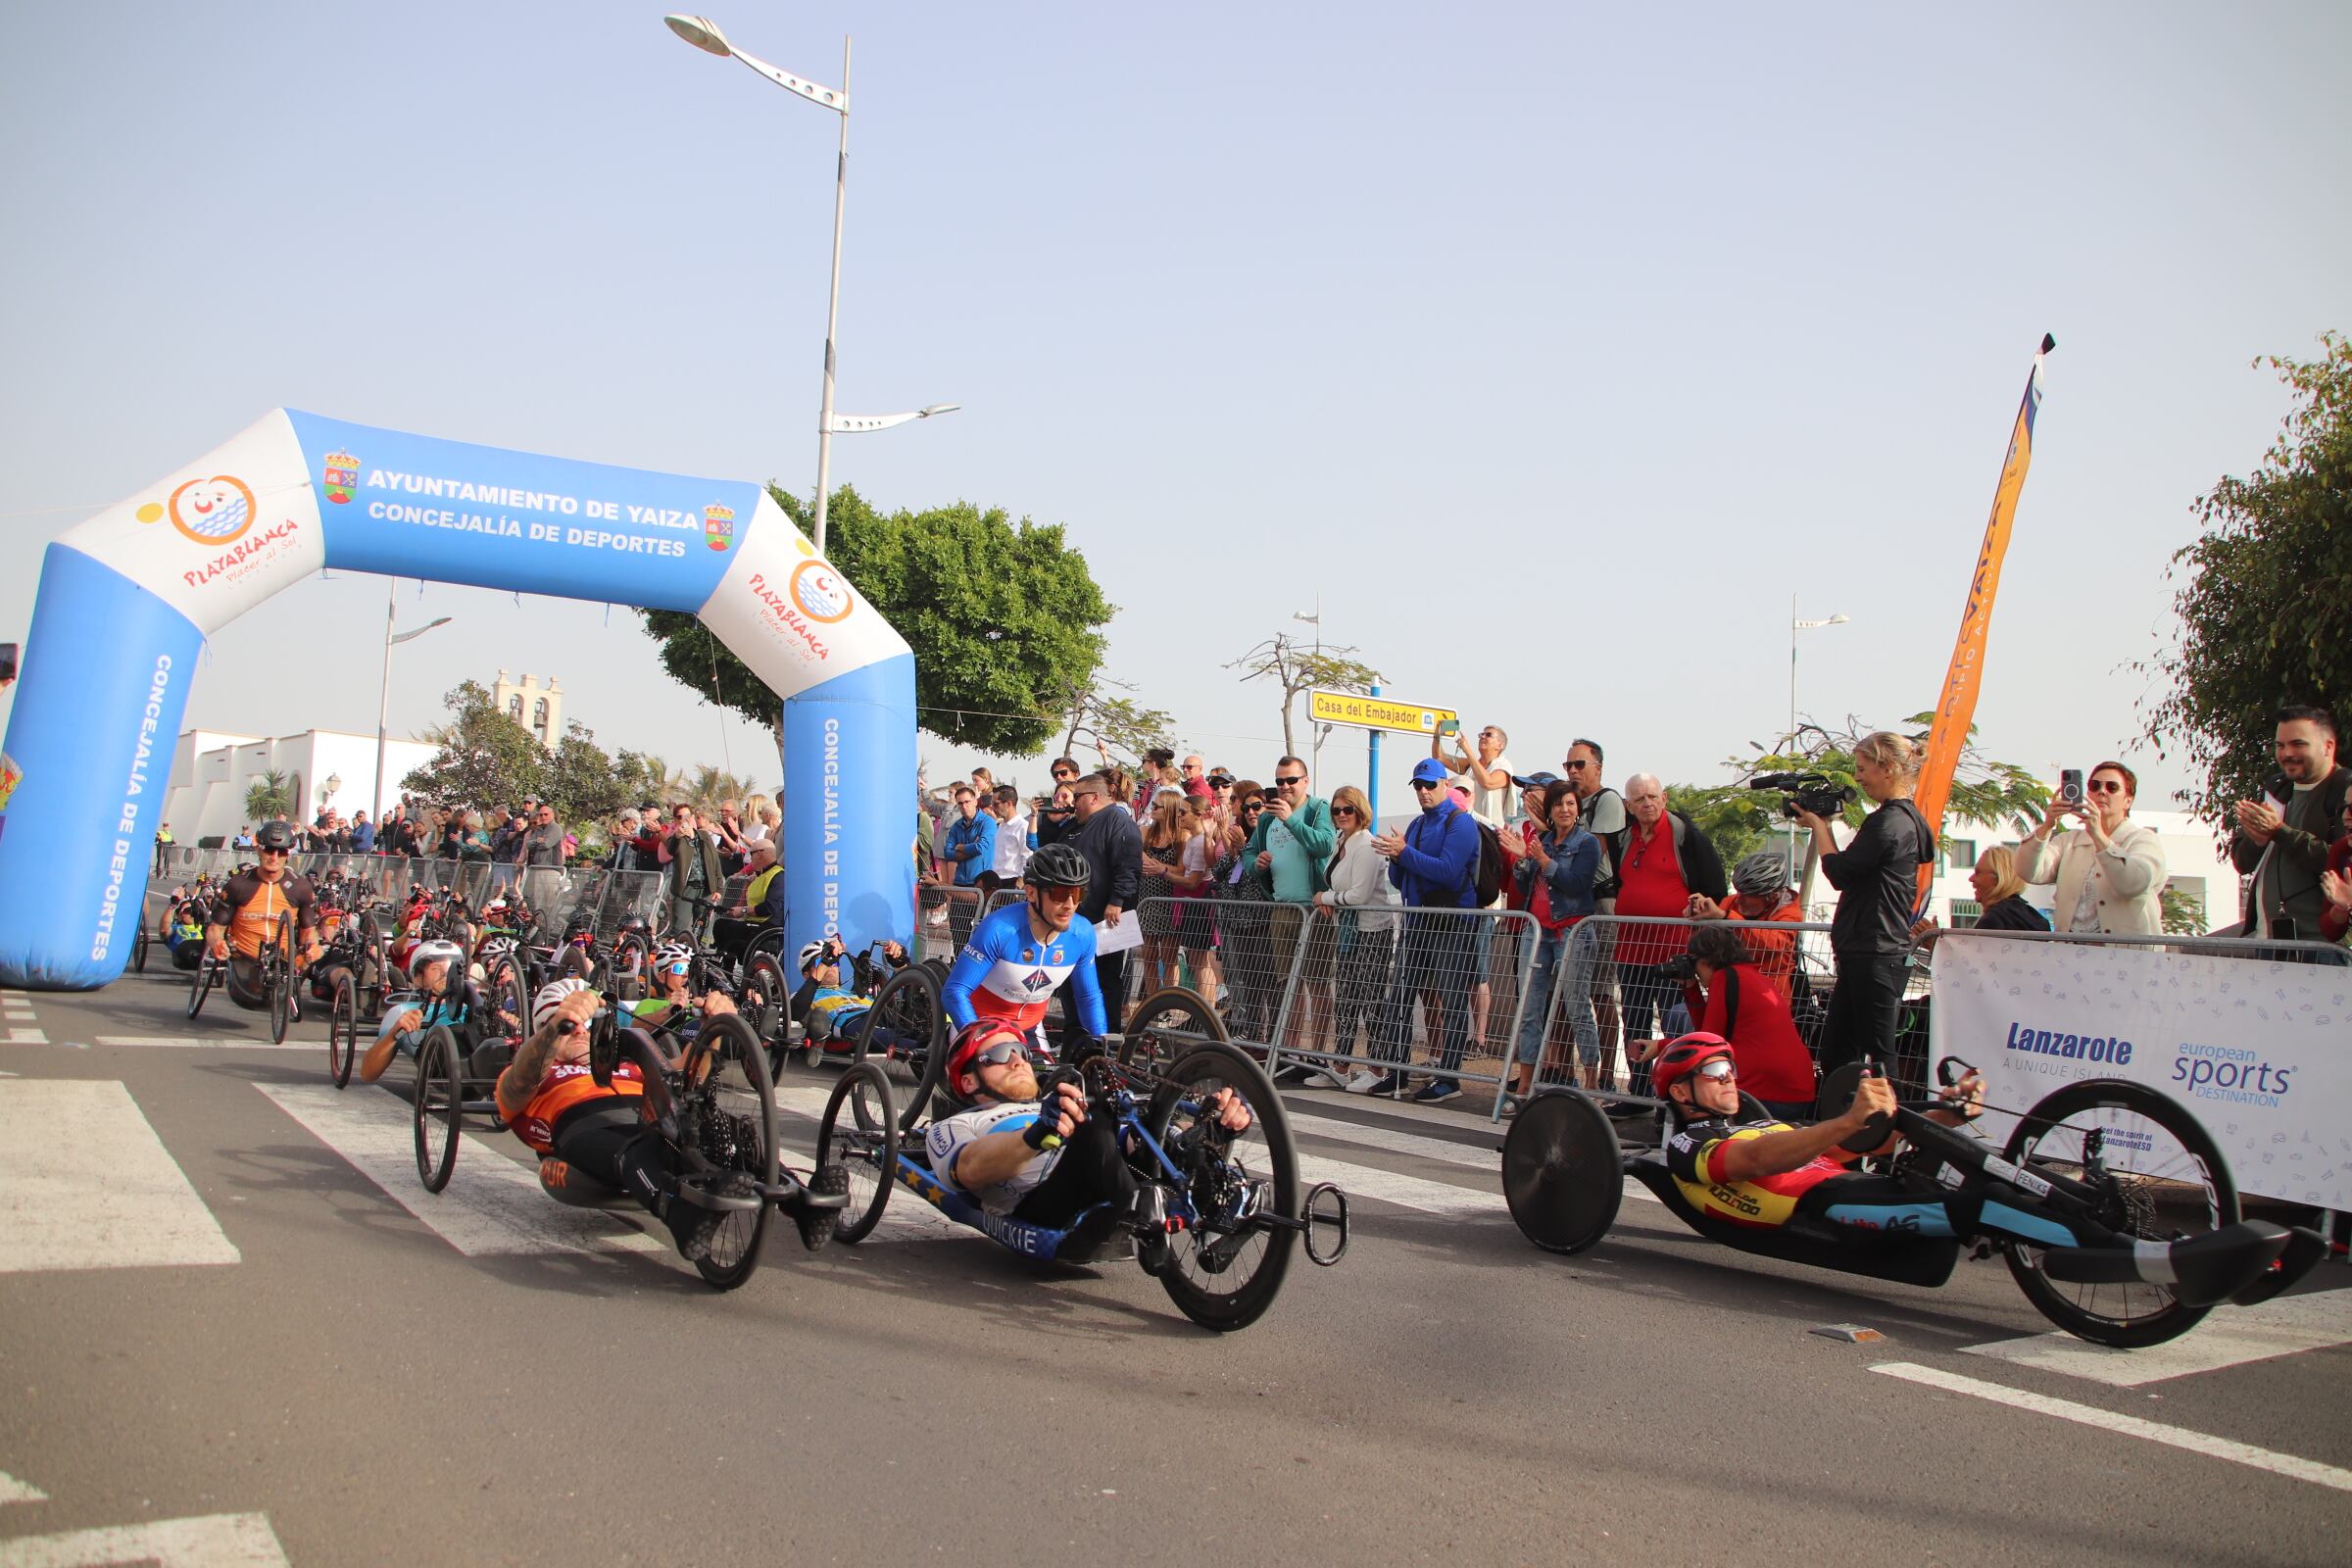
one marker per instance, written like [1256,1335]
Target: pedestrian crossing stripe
[2230,1337]
[13,1490]
[85,1183]
[213,1541]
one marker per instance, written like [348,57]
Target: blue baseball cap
[1429,770]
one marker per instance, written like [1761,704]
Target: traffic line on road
[213,1541]
[2285,1327]
[194,1042]
[492,1205]
[13,1490]
[2246,1453]
[85,1183]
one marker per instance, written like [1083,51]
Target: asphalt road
[283,1357]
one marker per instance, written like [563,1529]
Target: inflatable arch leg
[127,598]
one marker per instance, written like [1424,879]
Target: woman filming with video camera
[1877,878]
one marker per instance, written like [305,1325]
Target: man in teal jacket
[1292,843]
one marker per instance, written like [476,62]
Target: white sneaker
[1361,1081]
[1319,1080]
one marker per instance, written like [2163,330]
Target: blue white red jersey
[1004,972]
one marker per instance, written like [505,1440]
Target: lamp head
[702,33]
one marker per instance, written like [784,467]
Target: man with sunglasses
[1761,1171]
[1019,956]
[245,917]
[1488,774]
[1055,821]
[1434,864]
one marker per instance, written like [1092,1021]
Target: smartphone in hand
[2070,786]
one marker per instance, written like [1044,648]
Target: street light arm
[854,423]
[836,99]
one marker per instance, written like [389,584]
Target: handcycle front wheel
[277,978]
[1224,1270]
[343,1029]
[908,1006]
[1563,1174]
[438,1108]
[727,1124]
[1166,1024]
[860,1133]
[200,980]
[138,949]
[2163,1179]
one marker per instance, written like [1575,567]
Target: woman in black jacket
[2000,894]
[1877,878]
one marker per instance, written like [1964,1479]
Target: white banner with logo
[2258,1051]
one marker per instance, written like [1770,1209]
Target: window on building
[1966,912]
[1963,854]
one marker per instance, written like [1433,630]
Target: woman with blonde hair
[1164,858]
[1358,910]
[760,819]
[2000,898]
[1877,878]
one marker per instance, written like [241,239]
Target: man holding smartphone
[1488,774]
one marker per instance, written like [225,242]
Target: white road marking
[491,1206]
[85,1183]
[2231,1335]
[214,1541]
[192,1042]
[23,1036]
[2245,1454]
[13,1490]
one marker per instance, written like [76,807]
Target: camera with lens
[1806,792]
[1682,970]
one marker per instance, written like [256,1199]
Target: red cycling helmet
[971,1040]
[1683,1056]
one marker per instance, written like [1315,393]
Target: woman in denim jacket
[1556,873]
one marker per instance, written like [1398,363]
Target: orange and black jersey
[250,906]
[567,1087]
[1694,1156]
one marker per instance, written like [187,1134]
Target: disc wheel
[860,1133]
[727,1120]
[1223,1271]
[343,1029]
[2161,1178]
[909,1007]
[1168,1023]
[1561,1172]
[438,1108]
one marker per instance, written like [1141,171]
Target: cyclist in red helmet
[1761,1171]
[1040,1159]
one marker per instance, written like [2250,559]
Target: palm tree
[267,797]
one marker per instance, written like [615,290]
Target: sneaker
[1363,1080]
[379,1056]
[1319,1080]
[1437,1091]
[1387,1083]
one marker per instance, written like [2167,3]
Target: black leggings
[1089,1171]
[612,1141]
[1863,1009]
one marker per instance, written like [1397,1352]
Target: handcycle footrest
[691,1188]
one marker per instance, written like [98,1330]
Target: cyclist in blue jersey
[1022,953]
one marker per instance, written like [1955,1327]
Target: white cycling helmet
[552,992]
[669,952]
[435,951]
[812,952]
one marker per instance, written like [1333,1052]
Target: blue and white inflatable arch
[127,598]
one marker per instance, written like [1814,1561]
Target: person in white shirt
[2110,872]
[1012,840]
[1487,775]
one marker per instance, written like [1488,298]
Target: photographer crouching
[1877,878]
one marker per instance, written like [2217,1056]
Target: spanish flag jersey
[568,1085]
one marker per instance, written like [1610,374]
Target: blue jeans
[1566,965]
[1540,974]
[1433,956]
[1578,965]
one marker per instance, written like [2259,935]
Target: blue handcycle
[1227,1205]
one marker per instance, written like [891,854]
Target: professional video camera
[1811,792]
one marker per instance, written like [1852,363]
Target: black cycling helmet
[274,836]
[1059,865]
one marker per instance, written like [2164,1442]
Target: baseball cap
[1535,780]
[1219,776]
[1429,770]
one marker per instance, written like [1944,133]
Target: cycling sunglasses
[997,1054]
[677,966]
[1717,1069]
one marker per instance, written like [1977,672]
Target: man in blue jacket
[1434,864]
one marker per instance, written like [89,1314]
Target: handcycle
[713,1101]
[2112,1206]
[1228,1204]
[273,989]
[354,975]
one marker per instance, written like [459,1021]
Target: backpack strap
[1731,1000]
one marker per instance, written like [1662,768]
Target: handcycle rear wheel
[1562,1174]
[1166,1024]
[727,1116]
[342,1029]
[908,1006]
[866,1142]
[1225,1278]
[439,1107]
[2177,1186]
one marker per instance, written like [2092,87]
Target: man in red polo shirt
[1667,859]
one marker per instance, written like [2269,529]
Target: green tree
[481,757]
[1740,821]
[1296,668]
[269,796]
[581,782]
[2264,597]
[1002,618]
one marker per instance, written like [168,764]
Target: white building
[2196,862]
[323,770]
[538,709]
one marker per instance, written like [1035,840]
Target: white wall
[210,773]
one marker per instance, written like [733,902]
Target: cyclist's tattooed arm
[523,1076]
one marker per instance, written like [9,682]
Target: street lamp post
[1794,626]
[383,693]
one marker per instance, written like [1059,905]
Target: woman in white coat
[1363,902]
[2110,872]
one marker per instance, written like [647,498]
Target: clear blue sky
[1557,345]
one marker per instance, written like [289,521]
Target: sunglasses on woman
[1342,811]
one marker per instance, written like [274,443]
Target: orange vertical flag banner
[1956,704]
